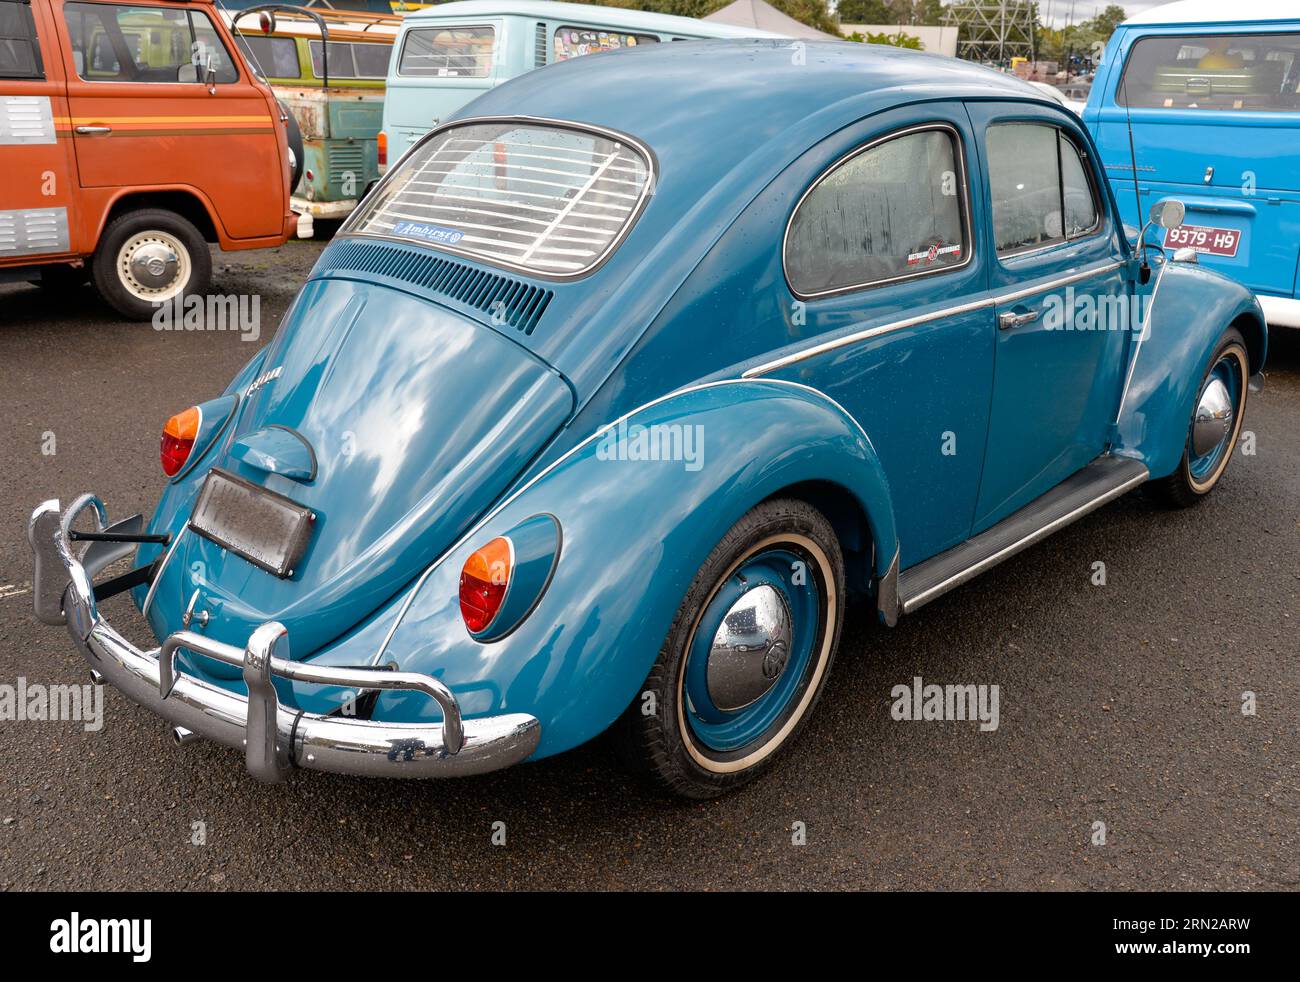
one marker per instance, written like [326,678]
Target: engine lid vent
[505,299]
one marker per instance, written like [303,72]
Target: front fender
[1190,310]
[634,534]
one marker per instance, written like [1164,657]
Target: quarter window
[112,43]
[348,60]
[448,52]
[20,57]
[573,42]
[1039,186]
[273,57]
[1243,73]
[894,210]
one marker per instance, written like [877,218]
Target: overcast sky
[1084,9]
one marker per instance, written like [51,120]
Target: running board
[1105,479]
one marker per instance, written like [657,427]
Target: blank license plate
[1204,238]
[266,528]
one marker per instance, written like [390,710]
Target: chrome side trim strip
[1137,347]
[1030,291]
[157,577]
[911,604]
[871,332]
[919,319]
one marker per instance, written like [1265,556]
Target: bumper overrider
[275,738]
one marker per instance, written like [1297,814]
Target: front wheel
[147,258]
[747,655]
[1214,428]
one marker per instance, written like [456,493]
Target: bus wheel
[147,258]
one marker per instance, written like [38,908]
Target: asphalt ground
[1119,704]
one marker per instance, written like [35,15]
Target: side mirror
[187,73]
[210,78]
[1168,213]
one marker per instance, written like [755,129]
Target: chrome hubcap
[750,649]
[1213,420]
[154,265]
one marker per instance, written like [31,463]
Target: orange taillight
[483,582]
[381,147]
[178,438]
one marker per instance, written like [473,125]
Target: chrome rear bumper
[275,738]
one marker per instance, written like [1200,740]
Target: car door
[883,262]
[36,192]
[1063,303]
[142,115]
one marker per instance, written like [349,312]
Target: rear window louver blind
[537,198]
[506,300]
[539,51]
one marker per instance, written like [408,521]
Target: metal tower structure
[993,30]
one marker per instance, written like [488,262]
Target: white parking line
[8,590]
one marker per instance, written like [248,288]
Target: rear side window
[539,198]
[1243,73]
[1039,187]
[448,52]
[573,42]
[893,210]
[348,60]
[115,43]
[20,55]
[273,57]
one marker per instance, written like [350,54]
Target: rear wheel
[1214,427]
[147,258]
[747,655]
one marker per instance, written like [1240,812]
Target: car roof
[1218,12]
[714,104]
[582,13]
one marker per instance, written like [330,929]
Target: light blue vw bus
[1211,92]
[447,55]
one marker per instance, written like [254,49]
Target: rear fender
[634,534]
[1191,309]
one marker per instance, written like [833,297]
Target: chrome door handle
[1010,319]
[93,130]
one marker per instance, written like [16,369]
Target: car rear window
[1243,73]
[546,199]
[448,52]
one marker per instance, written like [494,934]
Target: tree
[865,12]
[891,12]
[898,40]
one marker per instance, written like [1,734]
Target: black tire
[297,159]
[661,744]
[1180,489]
[112,281]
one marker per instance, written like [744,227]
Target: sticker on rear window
[933,253]
[429,233]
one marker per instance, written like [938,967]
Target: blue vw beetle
[620,386]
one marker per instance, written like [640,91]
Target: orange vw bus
[131,135]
